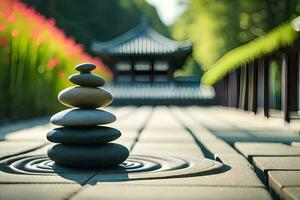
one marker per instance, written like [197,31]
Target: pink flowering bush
[36,59]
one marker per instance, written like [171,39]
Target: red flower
[34,33]
[4,41]
[2,27]
[39,40]
[61,74]
[11,18]
[53,62]
[15,33]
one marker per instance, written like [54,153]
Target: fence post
[289,84]
[238,82]
[254,86]
[246,103]
[266,61]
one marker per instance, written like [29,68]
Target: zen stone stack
[83,140]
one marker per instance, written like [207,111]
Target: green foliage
[36,59]
[282,36]
[275,84]
[100,20]
[216,27]
[189,69]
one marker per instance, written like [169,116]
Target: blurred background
[153,51]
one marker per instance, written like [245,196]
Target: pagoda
[143,55]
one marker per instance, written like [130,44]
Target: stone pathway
[171,149]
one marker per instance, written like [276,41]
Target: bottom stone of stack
[107,155]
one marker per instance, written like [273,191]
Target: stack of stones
[83,141]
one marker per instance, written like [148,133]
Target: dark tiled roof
[141,40]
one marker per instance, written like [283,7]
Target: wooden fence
[249,86]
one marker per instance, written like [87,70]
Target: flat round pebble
[107,155]
[85,67]
[89,80]
[85,97]
[82,117]
[83,136]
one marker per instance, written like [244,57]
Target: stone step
[37,191]
[285,184]
[107,191]
[9,148]
[250,150]
[262,165]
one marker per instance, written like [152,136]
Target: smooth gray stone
[89,80]
[83,136]
[82,117]
[85,97]
[107,155]
[85,67]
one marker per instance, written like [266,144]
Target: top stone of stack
[85,67]
[85,78]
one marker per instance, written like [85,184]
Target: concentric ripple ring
[135,167]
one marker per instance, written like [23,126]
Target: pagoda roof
[141,40]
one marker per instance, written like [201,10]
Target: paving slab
[233,177]
[245,129]
[31,134]
[76,178]
[243,136]
[264,164]
[9,148]
[165,135]
[122,112]
[204,117]
[162,119]
[105,191]
[37,191]
[167,148]
[139,117]
[217,147]
[296,144]
[291,193]
[20,125]
[243,119]
[278,180]
[284,178]
[231,136]
[250,150]
[279,137]
[232,159]
[277,163]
